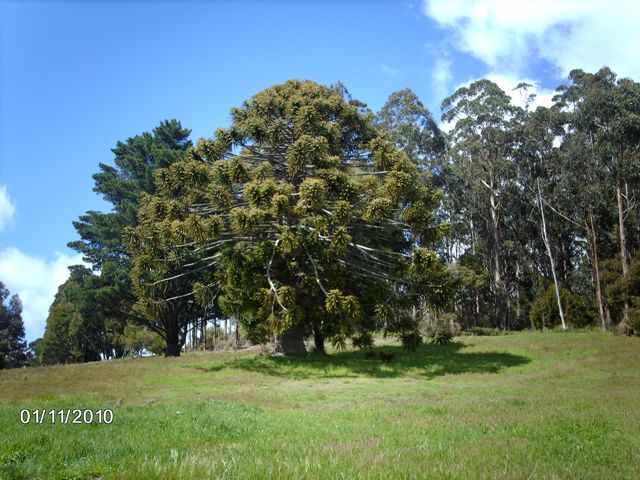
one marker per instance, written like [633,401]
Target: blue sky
[77,76]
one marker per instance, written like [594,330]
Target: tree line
[311,216]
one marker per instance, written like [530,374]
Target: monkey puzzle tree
[307,218]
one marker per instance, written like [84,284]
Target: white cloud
[441,78]
[36,281]
[568,34]
[7,207]
[543,97]
[508,82]
[387,71]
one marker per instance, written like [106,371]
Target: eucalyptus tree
[580,200]
[603,114]
[481,156]
[77,329]
[411,127]
[308,219]
[537,132]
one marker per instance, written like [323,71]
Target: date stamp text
[66,416]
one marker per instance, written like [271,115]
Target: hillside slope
[527,405]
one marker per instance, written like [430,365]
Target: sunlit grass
[517,406]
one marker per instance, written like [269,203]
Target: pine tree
[101,233]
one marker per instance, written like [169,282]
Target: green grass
[556,406]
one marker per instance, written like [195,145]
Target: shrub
[339,342]
[441,334]
[485,331]
[544,311]
[411,340]
[137,339]
[634,320]
[363,340]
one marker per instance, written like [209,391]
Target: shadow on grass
[428,361]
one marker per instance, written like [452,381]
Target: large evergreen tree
[309,220]
[101,233]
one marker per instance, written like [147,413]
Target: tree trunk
[473,237]
[623,249]
[518,279]
[173,339]
[291,342]
[596,271]
[545,238]
[497,277]
[318,339]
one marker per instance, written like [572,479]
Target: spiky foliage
[169,279]
[309,217]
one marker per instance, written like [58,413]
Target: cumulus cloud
[567,34]
[36,281]
[7,207]
[543,96]
[508,83]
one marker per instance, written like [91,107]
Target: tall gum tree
[481,146]
[411,127]
[605,113]
[535,157]
[308,217]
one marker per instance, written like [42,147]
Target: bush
[411,340]
[485,332]
[339,342]
[544,311]
[137,339]
[363,340]
[634,322]
[441,334]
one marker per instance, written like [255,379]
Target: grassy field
[520,406]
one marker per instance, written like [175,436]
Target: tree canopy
[310,219]
[311,216]
[89,317]
[13,348]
